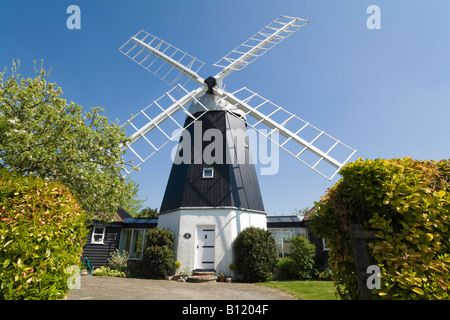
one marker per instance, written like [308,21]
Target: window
[208,173]
[132,241]
[282,237]
[98,235]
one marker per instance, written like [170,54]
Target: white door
[205,248]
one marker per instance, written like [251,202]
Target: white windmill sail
[308,144]
[165,61]
[257,45]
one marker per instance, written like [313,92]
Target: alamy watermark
[74,20]
[73,282]
[374,280]
[374,20]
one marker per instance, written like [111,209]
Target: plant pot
[222,279]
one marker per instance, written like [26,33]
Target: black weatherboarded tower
[227,180]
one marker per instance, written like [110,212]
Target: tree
[43,135]
[148,213]
[134,204]
[302,212]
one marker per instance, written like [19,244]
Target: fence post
[361,257]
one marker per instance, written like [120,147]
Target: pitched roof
[121,215]
[308,215]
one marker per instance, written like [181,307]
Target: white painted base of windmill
[203,238]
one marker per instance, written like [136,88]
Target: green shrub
[284,269]
[159,257]
[299,264]
[157,262]
[42,233]
[255,254]
[118,261]
[408,203]
[302,253]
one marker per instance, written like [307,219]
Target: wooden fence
[361,257]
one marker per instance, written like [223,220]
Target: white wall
[227,224]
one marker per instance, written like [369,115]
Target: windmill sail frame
[257,45]
[162,59]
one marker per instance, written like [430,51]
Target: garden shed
[123,233]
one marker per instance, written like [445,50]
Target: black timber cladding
[234,184]
[98,254]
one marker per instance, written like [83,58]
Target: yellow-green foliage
[42,232]
[408,203]
[109,272]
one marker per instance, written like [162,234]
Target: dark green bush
[284,268]
[157,262]
[255,254]
[42,233]
[159,257]
[408,203]
[299,264]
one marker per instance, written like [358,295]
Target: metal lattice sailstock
[310,145]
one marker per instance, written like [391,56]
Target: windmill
[211,196]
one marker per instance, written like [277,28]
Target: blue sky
[384,92]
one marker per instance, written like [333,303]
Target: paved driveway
[110,288]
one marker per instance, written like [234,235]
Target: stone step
[204,272]
[201,276]
[201,279]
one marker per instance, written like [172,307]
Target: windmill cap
[211,82]
[213,102]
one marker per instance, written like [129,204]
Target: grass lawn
[305,290]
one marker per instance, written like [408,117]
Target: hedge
[407,203]
[42,233]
